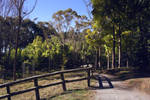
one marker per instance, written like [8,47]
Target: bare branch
[5,7]
[87,8]
[27,13]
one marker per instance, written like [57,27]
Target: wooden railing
[37,86]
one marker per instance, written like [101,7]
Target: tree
[51,48]
[108,43]
[20,13]
[95,39]
[33,52]
[105,17]
[123,16]
[69,26]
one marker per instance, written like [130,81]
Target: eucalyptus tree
[51,48]
[105,16]
[95,39]
[63,22]
[46,29]
[20,13]
[125,15]
[69,25]
[108,44]
[109,14]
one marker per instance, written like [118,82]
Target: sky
[46,8]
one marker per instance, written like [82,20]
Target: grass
[77,94]
[141,84]
[134,78]
[75,91]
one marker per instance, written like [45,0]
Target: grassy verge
[75,91]
[141,84]
[78,94]
[134,78]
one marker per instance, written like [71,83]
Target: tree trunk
[16,48]
[33,68]
[49,63]
[23,70]
[99,57]
[113,52]
[96,59]
[112,60]
[127,63]
[119,47]
[127,58]
[9,51]
[108,62]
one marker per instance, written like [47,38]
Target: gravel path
[119,92]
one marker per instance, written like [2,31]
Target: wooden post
[88,79]
[37,89]
[63,82]
[8,92]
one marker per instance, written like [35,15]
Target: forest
[115,34]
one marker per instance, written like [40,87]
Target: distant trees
[69,26]
[117,36]
[42,46]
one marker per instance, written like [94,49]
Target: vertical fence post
[88,79]
[8,92]
[37,89]
[63,82]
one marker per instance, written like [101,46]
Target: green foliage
[51,47]
[70,39]
[33,51]
[13,53]
[94,36]
[129,19]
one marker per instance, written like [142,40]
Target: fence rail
[37,86]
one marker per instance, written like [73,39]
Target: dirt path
[119,92]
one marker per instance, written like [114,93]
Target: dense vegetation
[118,35]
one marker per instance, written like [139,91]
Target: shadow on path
[101,79]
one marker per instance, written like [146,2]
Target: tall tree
[20,14]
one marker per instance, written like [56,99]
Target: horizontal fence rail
[36,85]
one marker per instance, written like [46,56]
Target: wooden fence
[37,87]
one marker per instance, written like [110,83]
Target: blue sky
[45,8]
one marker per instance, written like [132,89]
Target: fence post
[8,92]
[63,82]
[37,89]
[88,79]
